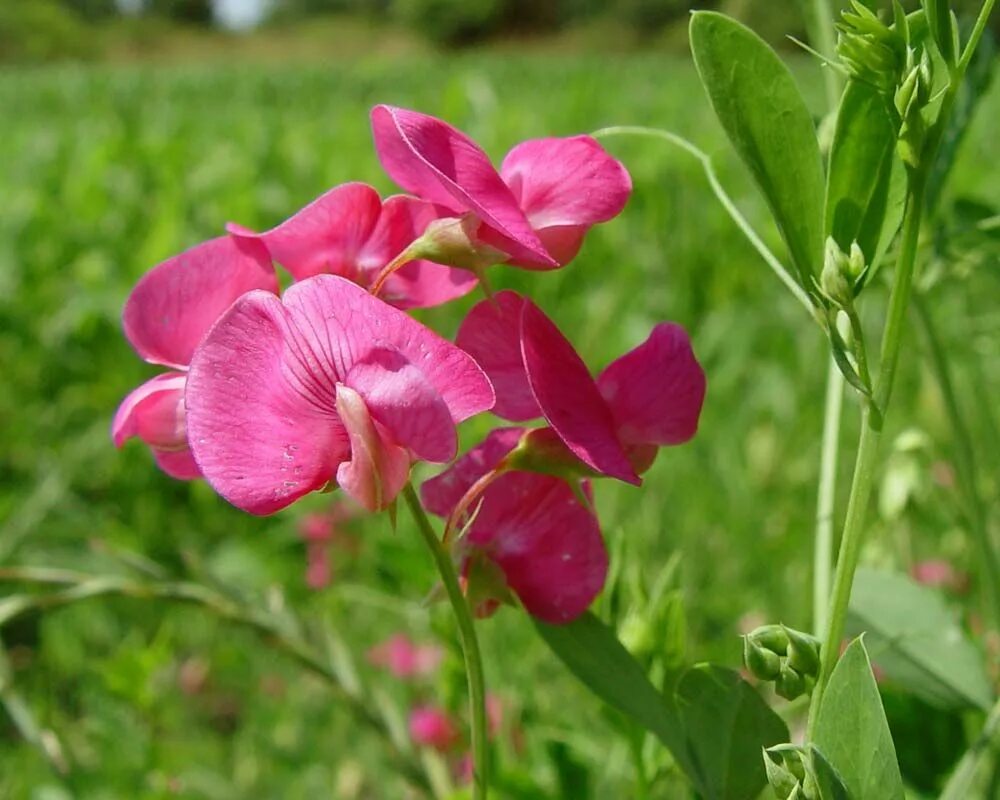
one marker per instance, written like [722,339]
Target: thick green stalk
[965,464]
[823,550]
[871,432]
[470,644]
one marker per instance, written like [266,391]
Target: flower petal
[398,396]
[154,412]
[176,302]
[420,283]
[547,544]
[490,333]
[441,493]
[377,469]
[262,423]
[341,324]
[325,236]
[179,464]
[656,391]
[566,181]
[569,398]
[435,161]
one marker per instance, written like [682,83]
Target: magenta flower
[349,231]
[535,211]
[405,658]
[531,534]
[328,385]
[940,574]
[650,397]
[165,317]
[434,727]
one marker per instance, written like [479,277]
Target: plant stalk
[826,498]
[965,464]
[470,644]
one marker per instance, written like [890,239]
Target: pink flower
[543,544]
[939,574]
[349,231]
[327,385]
[649,397]
[165,318]
[406,659]
[434,727]
[535,211]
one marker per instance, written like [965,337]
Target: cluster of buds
[841,273]
[790,773]
[786,656]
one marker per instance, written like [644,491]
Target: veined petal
[398,396]
[262,420]
[176,302]
[656,391]
[569,398]
[441,493]
[547,544]
[566,181]
[490,333]
[420,283]
[340,324]
[154,412]
[377,469]
[327,235]
[435,161]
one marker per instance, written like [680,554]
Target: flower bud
[770,637]
[453,241]
[789,683]
[803,652]
[761,662]
[790,773]
[856,261]
[779,776]
[834,278]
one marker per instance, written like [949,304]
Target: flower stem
[872,417]
[470,644]
[823,552]
[386,272]
[965,464]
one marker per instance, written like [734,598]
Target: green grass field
[107,171]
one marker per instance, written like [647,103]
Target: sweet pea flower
[533,213]
[349,231]
[406,659]
[165,317]
[531,535]
[328,385]
[433,727]
[649,397]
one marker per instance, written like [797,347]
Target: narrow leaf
[916,640]
[726,723]
[942,26]
[767,122]
[852,732]
[828,780]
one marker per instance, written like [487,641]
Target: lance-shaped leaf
[767,122]
[916,640]
[829,784]
[852,731]
[861,205]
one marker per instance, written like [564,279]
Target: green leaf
[916,640]
[828,780]
[942,26]
[726,724]
[767,122]
[852,732]
[591,651]
[861,205]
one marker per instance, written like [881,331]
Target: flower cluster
[331,384]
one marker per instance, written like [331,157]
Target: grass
[108,171]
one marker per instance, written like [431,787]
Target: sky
[237,14]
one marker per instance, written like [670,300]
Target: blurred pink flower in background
[431,726]
[322,533]
[940,574]
[405,658]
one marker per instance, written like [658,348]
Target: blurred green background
[128,137]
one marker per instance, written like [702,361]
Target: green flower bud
[761,662]
[779,777]
[803,652]
[789,683]
[856,261]
[834,279]
[770,637]
[453,241]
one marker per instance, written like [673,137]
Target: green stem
[727,203]
[974,37]
[470,644]
[961,784]
[823,552]
[965,464]
[819,16]
[872,417]
[78,586]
